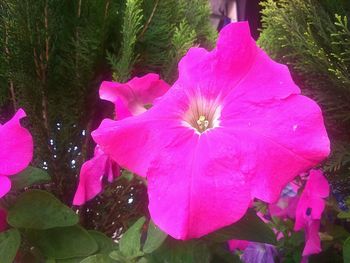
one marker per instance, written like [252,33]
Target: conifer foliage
[312,36]
[55,53]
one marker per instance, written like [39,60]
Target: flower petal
[313,241]
[289,136]
[90,179]
[265,81]
[148,87]
[16,145]
[317,185]
[217,72]
[237,244]
[129,98]
[132,149]
[196,187]
[5,185]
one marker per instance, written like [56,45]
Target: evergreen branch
[145,27]
[131,26]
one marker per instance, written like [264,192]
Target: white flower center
[202,115]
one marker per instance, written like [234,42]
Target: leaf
[9,244]
[105,244]
[39,209]
[346,250]
[142,260]
[250,228]
[99,258]
[130,243]
[155,238]
[63,242]
[70,260]
[344,215]
[175,251]
[117,255]
[29,177]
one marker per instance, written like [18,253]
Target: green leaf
[250,228]
[155,238]
[344,215]
[39,209]
[70,260]
[117,255]
[29,177]
[9,244]
[63,242]
[130,243]
[346,250]
[105,244]
[99,258]
[175,251]
[142,260]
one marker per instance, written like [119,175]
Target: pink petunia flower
[233,127]
[16,150]
[309,211]
[130,99]
[133,97]
[286,205]
[237,244]
[91,176]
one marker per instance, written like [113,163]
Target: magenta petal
[132,149]
[5,185]
[285,207]
[217,72]
[90,179]
[16,145]
[237,244]
[265,81]
[148,87]
[311,203]
[130,98]
[197,187]
[287,143]
[313,242]
[317,185]
[236,49]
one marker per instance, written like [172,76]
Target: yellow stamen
[202,122]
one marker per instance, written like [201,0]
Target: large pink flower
[233,127]
[16,150]
[129,98]
[309,211]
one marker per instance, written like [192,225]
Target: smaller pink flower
[309,211]
[131,98]
[16,150]
[237,244]
[286,206]
[134,97]
[91,176]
